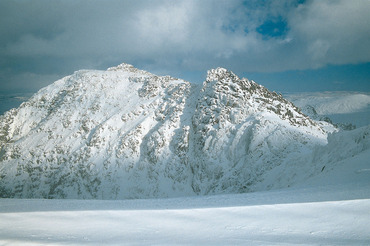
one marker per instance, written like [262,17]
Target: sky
[285,45]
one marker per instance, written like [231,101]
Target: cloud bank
[57,37]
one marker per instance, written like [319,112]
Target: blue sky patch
[273,28]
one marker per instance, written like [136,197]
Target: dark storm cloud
[54,38]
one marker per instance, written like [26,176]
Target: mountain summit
[127,133]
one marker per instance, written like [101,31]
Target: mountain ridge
[127,133]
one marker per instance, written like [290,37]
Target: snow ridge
[127,133]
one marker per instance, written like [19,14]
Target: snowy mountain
[127,133]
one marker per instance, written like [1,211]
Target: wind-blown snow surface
[126,133]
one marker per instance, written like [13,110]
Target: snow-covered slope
[126,133]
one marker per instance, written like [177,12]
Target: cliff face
[126,133]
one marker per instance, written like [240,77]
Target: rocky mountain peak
[125,67]
[220,74]
[127,133]
[122,66]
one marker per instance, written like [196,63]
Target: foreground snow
[338,222]
[331,209]
[258,219]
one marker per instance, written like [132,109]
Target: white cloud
[189,35]
[168,23]
[332,32]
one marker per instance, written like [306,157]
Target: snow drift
[127,133]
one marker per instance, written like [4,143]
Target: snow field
[118,223]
